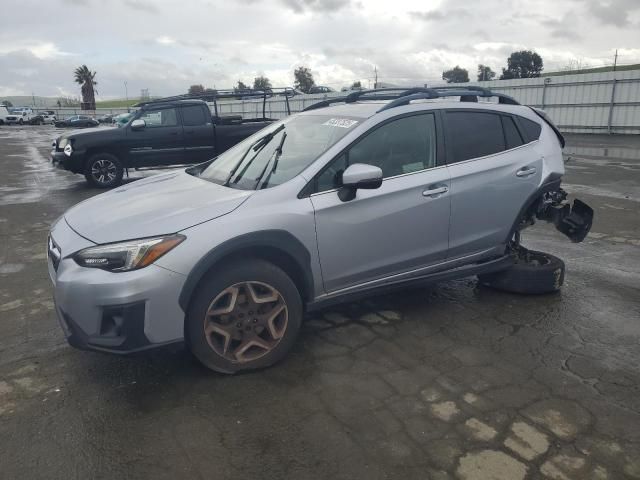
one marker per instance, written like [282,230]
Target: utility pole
[375,81]
[615,60]
[126,92]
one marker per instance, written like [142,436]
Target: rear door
[493,172]
[160,142]
[198,133]
[398,229]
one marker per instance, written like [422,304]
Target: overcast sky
[167,45]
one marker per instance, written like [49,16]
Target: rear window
[530,130]
[474,134]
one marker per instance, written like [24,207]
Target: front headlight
[68,150]
[63,142]
[127,256]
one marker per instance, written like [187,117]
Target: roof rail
[404,96]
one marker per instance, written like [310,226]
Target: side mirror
[138,124]
[359,175]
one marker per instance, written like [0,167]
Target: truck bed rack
[403,96]
[215,95]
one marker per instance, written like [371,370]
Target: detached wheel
[103,170]
[243,316]
[533,273]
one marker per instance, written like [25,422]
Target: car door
[160,142]
[199,142]
[402,227]
[493,173]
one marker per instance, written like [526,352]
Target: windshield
[279,152]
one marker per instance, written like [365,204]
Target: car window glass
[474,134]
[193,115]
[511,135]
[531,130]
[401,146]
[165,117]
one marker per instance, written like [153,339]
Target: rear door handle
[432,192]
[525,171]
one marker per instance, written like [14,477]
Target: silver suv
[382,190]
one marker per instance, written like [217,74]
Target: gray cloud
[142,5]
[431,15]
[612,12]
[322,6]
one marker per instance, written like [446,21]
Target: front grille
[54,253]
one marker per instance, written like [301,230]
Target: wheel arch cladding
[276,246]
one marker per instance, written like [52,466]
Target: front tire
[244,315]
[533,273]
[20,122]
[103,170]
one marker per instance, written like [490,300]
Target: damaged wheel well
[549,203]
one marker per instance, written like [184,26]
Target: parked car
[107,119]
[321,89]
[37,119]
[332,204]
[4,113]
[77,121]
[19,115]
[161,133]
[48,116]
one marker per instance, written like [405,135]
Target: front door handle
[432,192]
[525,171]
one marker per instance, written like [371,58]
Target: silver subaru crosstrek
[381,190]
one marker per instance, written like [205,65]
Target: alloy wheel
[104,171]
[246,321]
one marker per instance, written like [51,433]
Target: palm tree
[86,78]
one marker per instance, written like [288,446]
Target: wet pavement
[450,381]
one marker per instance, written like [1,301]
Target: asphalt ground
[449,381]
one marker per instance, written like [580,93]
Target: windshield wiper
[276,156]
[257,146]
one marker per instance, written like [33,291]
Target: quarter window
[530,130]
[474,134]
[401,146]
[511,135]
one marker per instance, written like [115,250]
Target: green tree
[485,73]
[87,79]
[522,64]
[303,79]
[456,75]
[196,89]
[261,83]
[6,103]
[356,85]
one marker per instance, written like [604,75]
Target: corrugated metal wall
[606,102]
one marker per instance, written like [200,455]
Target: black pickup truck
[174,131]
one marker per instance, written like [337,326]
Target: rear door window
[193,115]
[473,135]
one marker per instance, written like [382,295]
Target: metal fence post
[611,105]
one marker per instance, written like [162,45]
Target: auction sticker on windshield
[340,122]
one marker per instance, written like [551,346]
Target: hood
[161,204]
[91,133]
